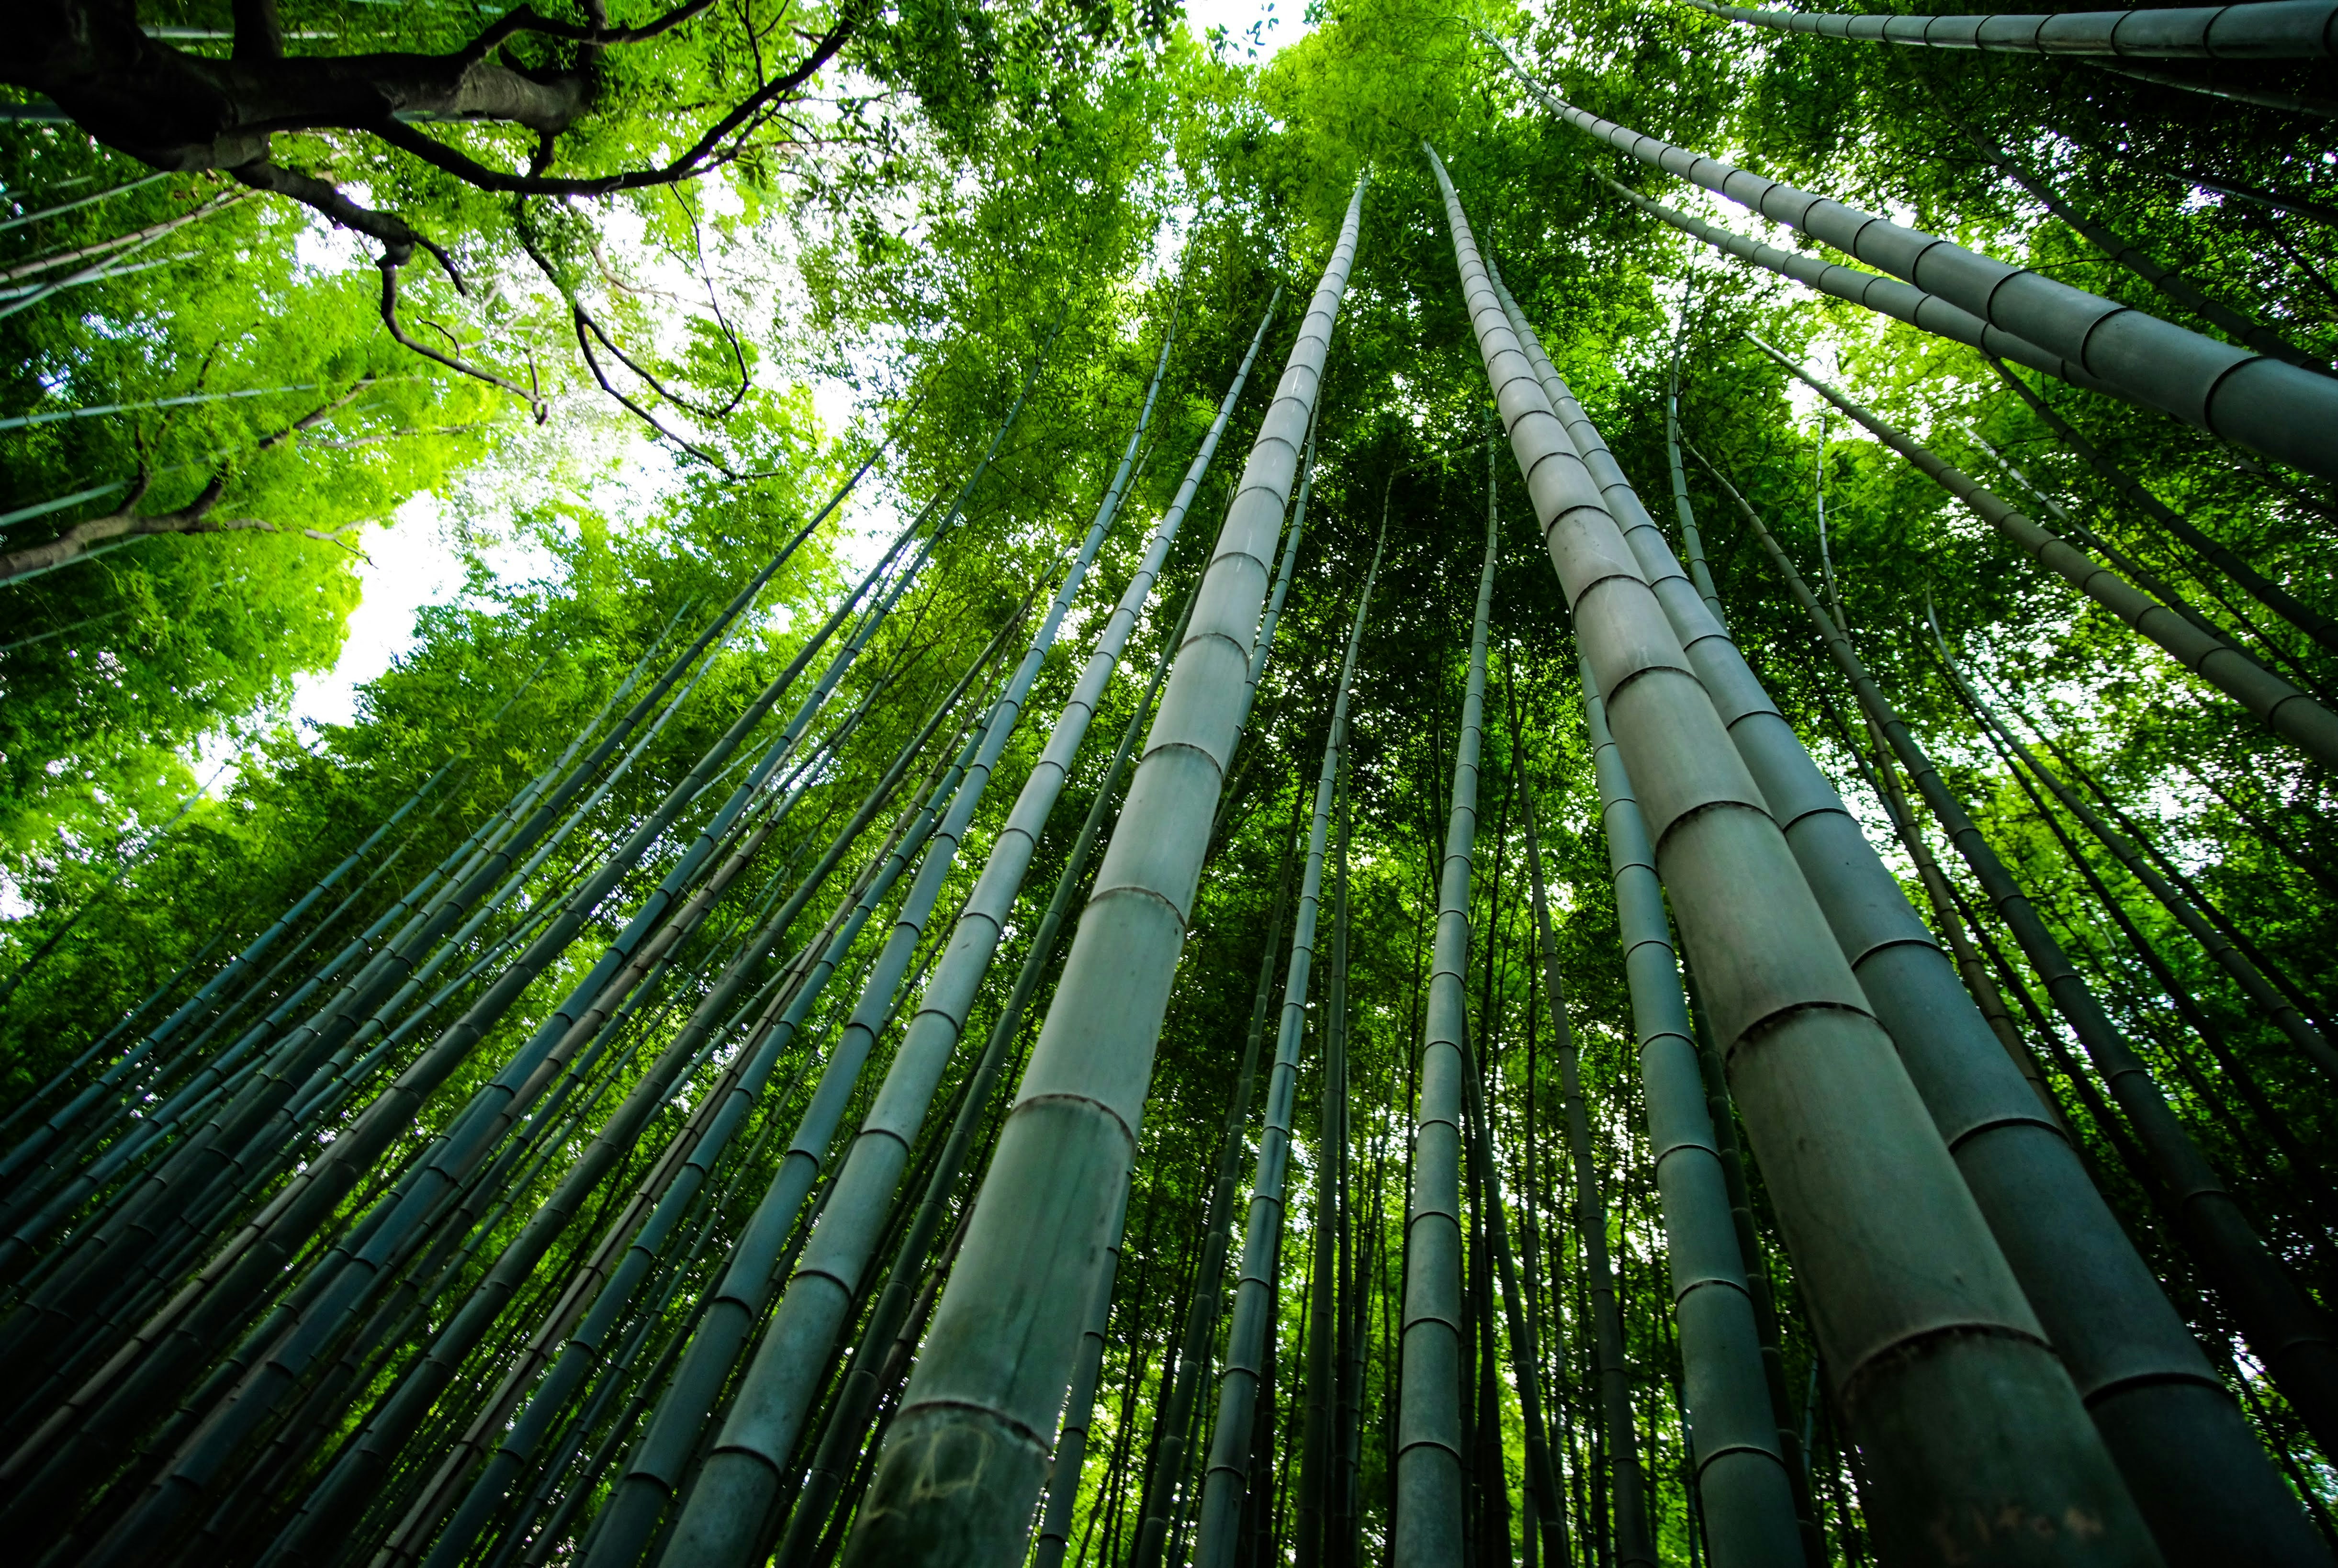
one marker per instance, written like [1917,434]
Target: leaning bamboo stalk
[2273,701]
[1223,1486]
[2276,1007]
[2288,1334]
[723,1522]
[1961,1411]
[2283,411]
[2268,593]
[1024,1274]
[1741,1473]
[2286,30]
[1884,296]
[2170,282]
[385,1431]
[583,1349]
[203,1188]
[267,1239]
[2135,1363]
[1430,1457]
[176,1188]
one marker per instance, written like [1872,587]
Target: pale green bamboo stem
[1428,1529]
[987,1389]
[1218,1528]
[1938,1361]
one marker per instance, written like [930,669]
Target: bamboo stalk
[1026,1273]
[1956,1424]
[2285,1329]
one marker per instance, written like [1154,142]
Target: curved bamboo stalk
[2277,30]
[2277,408]
[1224,1482]
[723,1113]
[2273,701]
[1428,1440]
[1962,1412]
[2288,1334]
[1025,1275]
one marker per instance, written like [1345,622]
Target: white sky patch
[1279,22]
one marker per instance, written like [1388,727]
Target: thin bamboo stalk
[1200,1329]
[1226,1478]
[2272,595]
[2170,282]
[1431,1452]
[2277,1008]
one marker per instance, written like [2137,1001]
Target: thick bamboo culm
[1946,1418]
[2280,1323]
[2278,30]
[1027,1269]
[2161,1409]
[2287,413]
[1748,1497]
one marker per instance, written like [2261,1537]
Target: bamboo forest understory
[1548,784]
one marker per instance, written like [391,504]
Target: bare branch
[536,405]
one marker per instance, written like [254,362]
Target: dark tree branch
[535,399]
[709,152]
[259,31]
